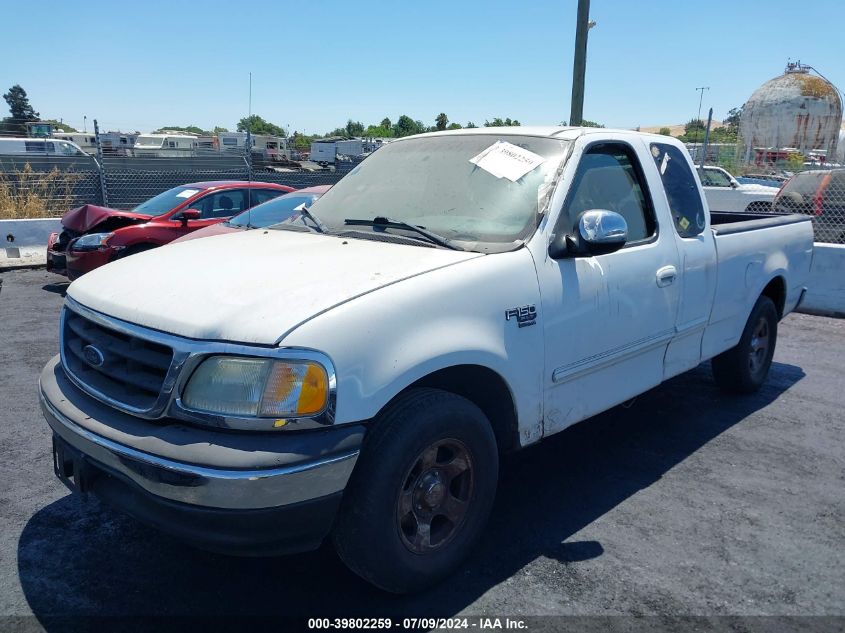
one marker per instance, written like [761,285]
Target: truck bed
[727,223]
[751,249]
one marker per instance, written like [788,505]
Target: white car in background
[725,193]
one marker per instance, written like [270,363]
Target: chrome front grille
[119,366]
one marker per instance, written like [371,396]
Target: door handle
[666,276]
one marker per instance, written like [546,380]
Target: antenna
[249,112]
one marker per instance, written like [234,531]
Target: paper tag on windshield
[187,193]
[506,160]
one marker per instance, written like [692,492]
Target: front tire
[421,492]
[743,368]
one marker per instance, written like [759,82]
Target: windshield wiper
[305,213]
[399,224]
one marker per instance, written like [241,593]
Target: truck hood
[86,217]
[250,286]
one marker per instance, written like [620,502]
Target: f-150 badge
[524,315]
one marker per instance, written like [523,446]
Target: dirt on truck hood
[251,286]
[88,216]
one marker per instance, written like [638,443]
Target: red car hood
[88,216]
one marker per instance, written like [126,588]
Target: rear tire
[421,491]
[743,369]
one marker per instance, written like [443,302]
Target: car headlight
[257,387]
[91,242]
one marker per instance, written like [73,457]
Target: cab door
[608,319]
[697,249]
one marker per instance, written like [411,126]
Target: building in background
[795,113]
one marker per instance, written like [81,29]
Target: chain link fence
[47,184]
[806,184]
[47,187]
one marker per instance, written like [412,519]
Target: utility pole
[579,67]
[706,139]
[698,116]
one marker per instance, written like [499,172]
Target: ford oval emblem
[93,356]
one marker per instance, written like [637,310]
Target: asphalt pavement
[686,503]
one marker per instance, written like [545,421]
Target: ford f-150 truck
[357,371]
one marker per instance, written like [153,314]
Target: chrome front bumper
[180,463]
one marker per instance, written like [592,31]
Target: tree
[588,123]
[454,126]
[470,125]
[406,126]
[20,109]
[59,125]
[189,129]
[302,141]
[665,131]
[354,128]
[386,123]
[499,122]
[219,130]
[378,131]
[441,121]
[694,126]
[732,120]
[257,125]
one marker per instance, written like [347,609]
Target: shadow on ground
[84,559]
[59,288]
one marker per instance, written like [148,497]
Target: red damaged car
[93,236]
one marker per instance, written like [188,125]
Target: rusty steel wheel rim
[759,346]
[434,496]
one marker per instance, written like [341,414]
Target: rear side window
[257,196]
[681,191]
[221,204]
[608,177]
[805,184]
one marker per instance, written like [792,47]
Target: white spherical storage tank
[797,111]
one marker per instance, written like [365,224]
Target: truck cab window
[608,177]
[681,191]
[713,178]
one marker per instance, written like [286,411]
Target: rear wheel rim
[433,500]
[759,347]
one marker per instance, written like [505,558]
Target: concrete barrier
[24,242]
[826,286]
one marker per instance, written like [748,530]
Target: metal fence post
[100,166]
[248,156]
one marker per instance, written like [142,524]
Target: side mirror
[598,232]
[190,214]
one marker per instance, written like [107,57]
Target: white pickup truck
[356,372]
[725,193]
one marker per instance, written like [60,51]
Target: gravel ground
[688,503]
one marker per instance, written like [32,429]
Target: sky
[144,65]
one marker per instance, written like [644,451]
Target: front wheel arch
[486,389]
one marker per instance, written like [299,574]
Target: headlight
[257,387]
[91,242]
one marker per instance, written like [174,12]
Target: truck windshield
[166,201]
[487,205]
